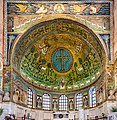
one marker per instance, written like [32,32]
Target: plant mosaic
[106,39]
[10,40]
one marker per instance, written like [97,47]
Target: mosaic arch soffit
[59,55]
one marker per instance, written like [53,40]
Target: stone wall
[103,108]
[19,111]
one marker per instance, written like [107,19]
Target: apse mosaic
[57,46]
[47,68]
[54,56]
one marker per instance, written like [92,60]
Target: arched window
[92,95]
[30,98]
[46,102]
[79,102]
[63,102]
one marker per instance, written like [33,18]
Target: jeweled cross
[61,58]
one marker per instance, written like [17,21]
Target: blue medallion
[62,60]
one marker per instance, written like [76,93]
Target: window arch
[46,102]
[92,95]
[79,102]
[63,102]
[30,98]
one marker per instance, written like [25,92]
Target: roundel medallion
[62,60]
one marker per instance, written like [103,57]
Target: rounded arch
[92,96]
[96,36]
[46,101]
[58,25]
[30,97]
[63,102]
[69,17]
[78,101]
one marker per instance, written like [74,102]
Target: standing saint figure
[55,105]
[62,83]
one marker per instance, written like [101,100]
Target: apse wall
[97,17]
[42,74]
